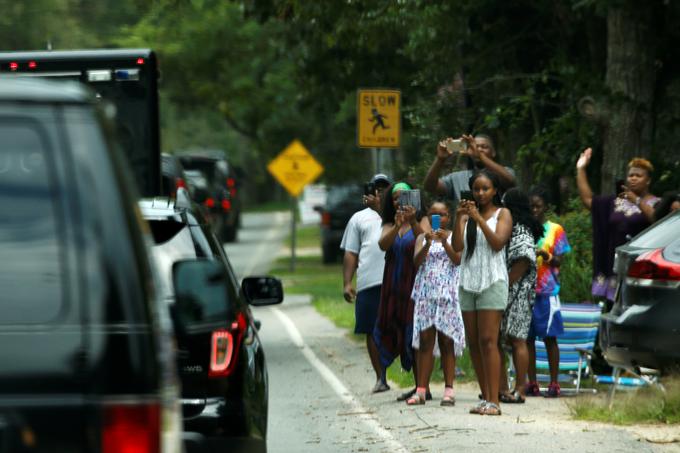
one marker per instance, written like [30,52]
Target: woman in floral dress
[436,312]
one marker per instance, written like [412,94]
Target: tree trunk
[630,79]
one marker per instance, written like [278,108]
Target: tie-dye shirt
[554,241]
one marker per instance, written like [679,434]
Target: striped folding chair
[581,322]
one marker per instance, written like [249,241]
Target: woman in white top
[481,232]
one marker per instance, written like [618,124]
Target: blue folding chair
[581,322]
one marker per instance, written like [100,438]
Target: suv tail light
[226,205]
[326,219]
[224,347]
[652,266]
[209,202]
[131,428]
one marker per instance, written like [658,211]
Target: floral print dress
[435,296]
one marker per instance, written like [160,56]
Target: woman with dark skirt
[394,327]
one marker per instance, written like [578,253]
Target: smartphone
[466,195]
[369,188]
[620,186]
[410,198]
[454,146]
[436,219]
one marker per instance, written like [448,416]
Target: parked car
[86,363]
[220,192]
[643,327]
[221,359]
[342,202]
[173,176]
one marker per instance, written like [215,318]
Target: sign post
[294,168]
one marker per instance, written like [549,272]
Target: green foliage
[576,267]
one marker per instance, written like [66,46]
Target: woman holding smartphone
[394,327]
[481,232]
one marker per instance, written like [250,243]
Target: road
[320,383]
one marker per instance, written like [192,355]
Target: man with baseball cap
[363,256]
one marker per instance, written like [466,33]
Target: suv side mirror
[261,291]
[200,291]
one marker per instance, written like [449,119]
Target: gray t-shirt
[458,181]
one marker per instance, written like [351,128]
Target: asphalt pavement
[320,382]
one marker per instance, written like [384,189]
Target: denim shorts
[495,297]
[366,309]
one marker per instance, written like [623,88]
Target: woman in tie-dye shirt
[546,322]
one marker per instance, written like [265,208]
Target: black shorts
[366,309]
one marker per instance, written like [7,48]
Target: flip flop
[416,400]
[448,401]
[406,395]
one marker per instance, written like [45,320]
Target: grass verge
[646,405]
[270,206]
[324,283]
[308,236]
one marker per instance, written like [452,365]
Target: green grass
[308,236]
[324,283]
[645,405]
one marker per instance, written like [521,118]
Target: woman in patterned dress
[436,313]
[521,262]
[393,330]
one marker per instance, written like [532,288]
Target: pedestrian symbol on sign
[378,118]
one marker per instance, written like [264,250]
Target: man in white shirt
[363,256]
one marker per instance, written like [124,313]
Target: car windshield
[197,178]
[660,234]
[206,167]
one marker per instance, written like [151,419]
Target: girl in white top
[481,232]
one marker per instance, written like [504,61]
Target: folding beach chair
[581,322]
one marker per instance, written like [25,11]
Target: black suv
[85,363]
[342,202]
[641,330]
[218,192]
[221,359]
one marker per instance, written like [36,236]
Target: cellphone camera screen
[410,198]
[466,195]
[454,146]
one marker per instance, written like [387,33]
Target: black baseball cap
[382,178]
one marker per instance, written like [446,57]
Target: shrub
[576,268]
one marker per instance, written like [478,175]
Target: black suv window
[31,267]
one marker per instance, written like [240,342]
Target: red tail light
[209,202]
[179,182]
[231,182]
[652,266]
[224,347]
[13,66]
[226,205]
[133,428]
[326,219]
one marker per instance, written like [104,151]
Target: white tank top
[485,267]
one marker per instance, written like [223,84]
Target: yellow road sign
[294,168]
[378,118]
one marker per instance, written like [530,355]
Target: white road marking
[264,247]
[336,384]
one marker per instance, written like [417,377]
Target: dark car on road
[642,330]
[173,176]
[342,201]
[219,192]
[86,363]
[221,359]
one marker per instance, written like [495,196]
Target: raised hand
[584,158]
[409,213]
[471,149]
[442,151]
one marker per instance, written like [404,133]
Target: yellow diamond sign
[294,168]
